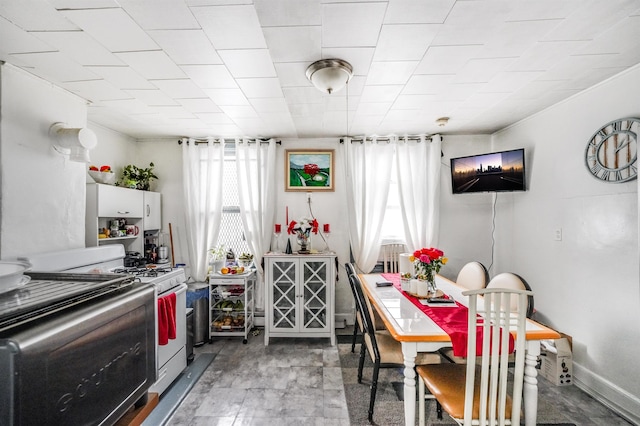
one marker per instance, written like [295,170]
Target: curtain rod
[200,141]
[386,139]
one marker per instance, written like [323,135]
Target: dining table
[418,332]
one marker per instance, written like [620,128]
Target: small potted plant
[137,178]
[217,258]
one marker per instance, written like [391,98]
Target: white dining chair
[473,276]
[483,392]
[390,254]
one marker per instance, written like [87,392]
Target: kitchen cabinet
[152,205]
[232,304]
[300,296]
[106,203]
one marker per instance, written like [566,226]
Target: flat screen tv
[492,172]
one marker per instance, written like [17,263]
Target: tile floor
[289,382]
[299,382]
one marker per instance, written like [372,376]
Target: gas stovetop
[162,276]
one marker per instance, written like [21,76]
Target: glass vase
[304,243]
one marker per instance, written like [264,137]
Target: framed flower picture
[309,170]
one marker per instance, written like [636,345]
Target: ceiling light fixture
[442,121]
[329,75]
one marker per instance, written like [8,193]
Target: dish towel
[166,318]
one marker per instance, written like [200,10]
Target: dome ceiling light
[329,75]
[442,121]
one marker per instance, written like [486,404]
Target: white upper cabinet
[152,218]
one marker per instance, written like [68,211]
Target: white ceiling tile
[131,106]
[305,110]
[34,15]
[83,4]
[122,77]
[239,111]
[57,66]
[270,105]
[542,56]
[399,115]
[483,13]
[21,41]
[222,97]
[285,13]
[404,42]
[446,59]
[199,105]
[179,89]
[160,14]
[289,44]
[417,11]
[586,23]
[292,74]
[510,81]
[408,102]
[214,118]
[96,90]
[373,108]
[426,84]
[171,111]
[456,92]
[380,93]
[512,38]
[248,63]
[152,97]
[261,87]
[482,70]
[351,24]
[462,35]
[210,76]
[79,46]
[231,27]
[152,64]
[616,39]
[186,47]
[302,95]
[359,57]
[112,28]
[391,72]
[571,66]
[543,10]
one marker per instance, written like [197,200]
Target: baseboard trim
[617,399]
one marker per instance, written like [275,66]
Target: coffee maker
[154,252]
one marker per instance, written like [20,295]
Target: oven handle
[182,288]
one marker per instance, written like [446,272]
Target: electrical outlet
[558,234]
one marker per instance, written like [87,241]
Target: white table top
[406,322]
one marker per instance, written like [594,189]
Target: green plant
[137,177]
[218,253]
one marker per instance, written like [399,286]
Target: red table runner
[453,320]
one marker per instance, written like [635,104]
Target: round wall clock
[612,151]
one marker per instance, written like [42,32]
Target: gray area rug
[389,408]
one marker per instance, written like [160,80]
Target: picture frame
[308,170]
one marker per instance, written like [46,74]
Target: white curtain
[202,167]
[256,168]
[367,169]
[418,166]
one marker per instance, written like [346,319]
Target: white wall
[43,194]
[328,207]
[586,285]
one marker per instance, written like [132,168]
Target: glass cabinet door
[314,293]
[283,294]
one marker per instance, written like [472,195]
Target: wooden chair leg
[374,388]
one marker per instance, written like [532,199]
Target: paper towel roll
[405,265]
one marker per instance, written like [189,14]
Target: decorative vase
[303,242]
[405,284]
[431,284]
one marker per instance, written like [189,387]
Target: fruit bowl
[108,178]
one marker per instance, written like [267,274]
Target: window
[231,231]
[392,228]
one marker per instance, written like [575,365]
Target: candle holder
[276,239]
[325,238]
